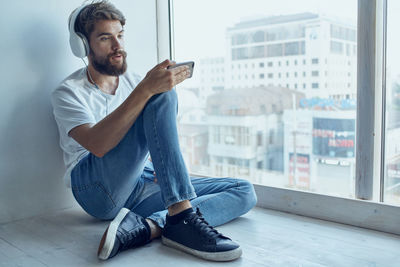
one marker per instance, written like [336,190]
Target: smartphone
[189,63]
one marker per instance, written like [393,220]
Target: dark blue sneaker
[127,230]
[194,235]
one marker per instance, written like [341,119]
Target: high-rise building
[305,52]
[211,77]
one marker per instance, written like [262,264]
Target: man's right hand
[160,79]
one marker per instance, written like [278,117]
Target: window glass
[279,121]
[392,131]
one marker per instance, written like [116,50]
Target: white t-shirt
[76,101]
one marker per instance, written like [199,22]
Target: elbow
[98,152]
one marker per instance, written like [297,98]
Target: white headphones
[78,42]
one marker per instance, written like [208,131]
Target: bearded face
[113,64]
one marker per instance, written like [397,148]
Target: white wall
[35,57]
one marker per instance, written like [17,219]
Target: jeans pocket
[94,199]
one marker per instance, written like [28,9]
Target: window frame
[361,211]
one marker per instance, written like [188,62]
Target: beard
[104,66]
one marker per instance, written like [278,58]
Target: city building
[211,77]
[245,130]
[192,130]
[307,52]
[319,150]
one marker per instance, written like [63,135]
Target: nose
[117,44]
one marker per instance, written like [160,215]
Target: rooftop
[252,101]
[274,20]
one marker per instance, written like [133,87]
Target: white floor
[268,238]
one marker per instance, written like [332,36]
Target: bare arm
[103,136]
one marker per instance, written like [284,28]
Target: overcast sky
[200,26]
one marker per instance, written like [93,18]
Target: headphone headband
[78,42]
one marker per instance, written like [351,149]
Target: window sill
[360,213]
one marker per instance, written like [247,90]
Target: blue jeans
[124,176]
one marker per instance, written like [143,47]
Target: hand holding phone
[190,64]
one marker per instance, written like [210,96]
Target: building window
[274,50]
[314,73]
[304,62]
[295,74]
[304,74]
[261,75]
[259,36]
[270,64]
[314,61]
[261,65]
[240,38]
[270,75]
[257,52]
[304,86]
[336,47]
[259,165]
[259,139]
[315,85]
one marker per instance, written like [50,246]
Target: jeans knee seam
[108,194]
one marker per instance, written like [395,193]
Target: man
[109,122]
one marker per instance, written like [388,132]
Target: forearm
[107,133]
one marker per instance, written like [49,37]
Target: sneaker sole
[108,239]
[229,255]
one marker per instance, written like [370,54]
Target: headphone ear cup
[78,45]
[78,42]
[85,43]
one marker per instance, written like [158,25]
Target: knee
[248,195]
[109,215]
[165,98]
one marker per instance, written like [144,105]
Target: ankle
[179,207]
[155,230]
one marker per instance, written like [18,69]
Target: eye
[104,38]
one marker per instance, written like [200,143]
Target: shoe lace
[134,238]
[206,230]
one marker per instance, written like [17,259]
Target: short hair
[94,12]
